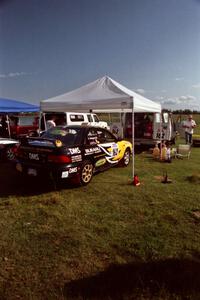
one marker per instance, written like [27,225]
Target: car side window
[108,137]
[101,136]
[95,118]
[76,118]
[91,138]
[89,118]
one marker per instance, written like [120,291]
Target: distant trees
[185,111]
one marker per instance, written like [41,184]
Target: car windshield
[69,136]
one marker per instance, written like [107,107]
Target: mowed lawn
[108,240]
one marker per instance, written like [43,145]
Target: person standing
[4,127]
[189,126]
[51,122]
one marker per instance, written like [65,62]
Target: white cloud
[179,78]
[187,98]
[11,74]
[170,101]
[159,98]
[173,101]
[140,91]
[196,86]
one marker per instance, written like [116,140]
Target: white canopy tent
[104,94]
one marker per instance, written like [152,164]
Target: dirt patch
[195,178]
[196,214]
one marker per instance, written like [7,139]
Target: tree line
[182,111]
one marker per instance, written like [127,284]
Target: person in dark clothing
[3,127]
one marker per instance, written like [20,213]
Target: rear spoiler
[40,142]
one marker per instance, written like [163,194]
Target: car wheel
[10,155]
[126,158]
[86,172]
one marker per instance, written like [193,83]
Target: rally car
[72,152]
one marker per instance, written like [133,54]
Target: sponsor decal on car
[32,172]
[58,143]
[115,149]
[76,158]
[93,150]
[111,150]
[73,170]
[33,156]
[92,138]
[40,143]
[74,150]
[65,174]
[100,162]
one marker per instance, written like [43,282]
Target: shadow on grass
[180,277]
[13,183]
[16,184]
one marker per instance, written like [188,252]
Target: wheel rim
[10,154]
[126,157]
[87,173]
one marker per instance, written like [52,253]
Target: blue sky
[50,47]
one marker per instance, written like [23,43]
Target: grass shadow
[14,184]
[180,277]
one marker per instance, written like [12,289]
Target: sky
[51,47]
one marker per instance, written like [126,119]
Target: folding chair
[183,151]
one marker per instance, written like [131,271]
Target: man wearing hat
[189,126]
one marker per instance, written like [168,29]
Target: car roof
[80,126]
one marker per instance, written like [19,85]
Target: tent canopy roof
[102,94]
[14,106]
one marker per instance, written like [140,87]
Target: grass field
[109,240]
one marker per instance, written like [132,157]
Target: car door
[91,150]
[107,142]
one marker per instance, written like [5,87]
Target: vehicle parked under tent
[104,94]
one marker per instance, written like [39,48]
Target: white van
[149,128]
[72,118]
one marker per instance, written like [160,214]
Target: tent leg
[8,125]
[161,135]
[133,139]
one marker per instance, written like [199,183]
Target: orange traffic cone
[136,181]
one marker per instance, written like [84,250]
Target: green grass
[108,240]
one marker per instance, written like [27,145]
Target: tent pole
[109,119]
[161,135]
[40,121]
[121,125]
[133,138]
[45,124]
[8,125]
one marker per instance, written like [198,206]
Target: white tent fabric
[101,94]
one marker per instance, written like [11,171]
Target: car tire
[126,158]
[86,172]
[10,155]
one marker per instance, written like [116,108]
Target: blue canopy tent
[8,106]
[14,106]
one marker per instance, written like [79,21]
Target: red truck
[21,125]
